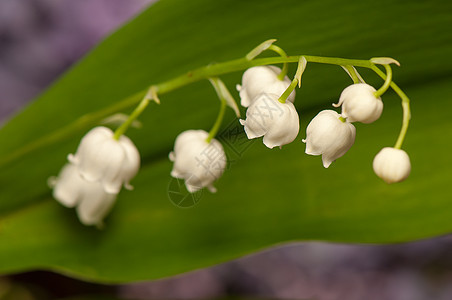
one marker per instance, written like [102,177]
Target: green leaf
[266,197]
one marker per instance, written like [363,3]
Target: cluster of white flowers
[329,134]
[95,174]
[201,162]
[104,163]
[277,122]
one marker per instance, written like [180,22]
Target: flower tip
[212,189]
[192,188]
[308,149]
[310,152]
[128,186]
[72,159]
[111,188]
[171,156]
[326,163]
[250,134]
[176,174]
[269,144]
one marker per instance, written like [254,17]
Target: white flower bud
[359,103]
[277,122]
[392,165]
[101,158]
[328,136]
[262,80]
[196,161]
[92,202]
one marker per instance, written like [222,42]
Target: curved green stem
[296,80]
[92,118]
[216,126]
[151,95]
[218,69]
[283,54]
[387,83]
[405,107]
[124,126]
[288,91]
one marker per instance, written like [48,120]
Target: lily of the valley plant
[107,160]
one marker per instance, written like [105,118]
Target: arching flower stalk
[105,161]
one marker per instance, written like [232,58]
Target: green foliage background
[267,196]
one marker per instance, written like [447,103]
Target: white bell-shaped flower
[392,165]
[277,122]
[90,198]
[359,103]
[329,136]
[196,161]
[101,158]
[262,80]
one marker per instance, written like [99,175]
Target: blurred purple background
[40,39]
